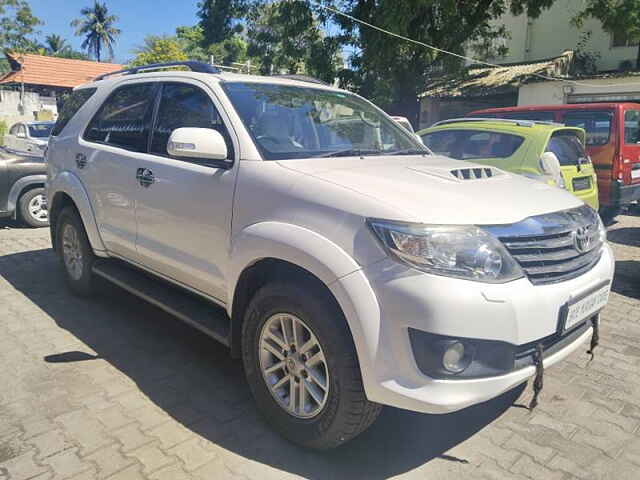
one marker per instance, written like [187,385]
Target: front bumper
[516,312]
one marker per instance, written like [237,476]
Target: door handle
[145,177]
[81,160]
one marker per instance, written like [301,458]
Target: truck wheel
[33,208]
[608,214]
[75,252]
[302,368]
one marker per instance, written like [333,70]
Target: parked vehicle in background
[22,179]
[28,137]
[353,267]
[613,143]
[551,153]
[404,121]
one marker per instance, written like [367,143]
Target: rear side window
[71,106]
[472,144]
[568,148]
[632,127]
[124,118]
[596,124]
[183,105]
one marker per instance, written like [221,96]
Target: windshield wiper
[349,152]
[409,151]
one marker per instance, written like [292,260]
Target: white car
[404,121]
[28,137]
[298,224]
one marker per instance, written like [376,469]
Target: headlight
[455,251]
[602,230]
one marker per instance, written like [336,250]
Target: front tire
[306,384]
[75,252]
[33,208]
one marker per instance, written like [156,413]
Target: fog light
[454,358]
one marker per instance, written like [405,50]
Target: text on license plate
[586,307]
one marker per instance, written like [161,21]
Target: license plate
[582,183]
[586,307]
[635,173]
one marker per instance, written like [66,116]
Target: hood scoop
[474,173]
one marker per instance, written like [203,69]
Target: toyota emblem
[582,239]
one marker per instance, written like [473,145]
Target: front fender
[68,183]
[327,261]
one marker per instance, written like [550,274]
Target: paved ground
[113,388]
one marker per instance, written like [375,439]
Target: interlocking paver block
[151,458]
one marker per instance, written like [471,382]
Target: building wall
[625,89]
[433,110]
[552,33]
[31,107]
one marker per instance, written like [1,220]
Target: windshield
[40,130]
[298,122]
[568,148]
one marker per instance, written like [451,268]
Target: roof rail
[192,64]
[302,78]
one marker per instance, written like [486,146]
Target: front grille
[582,183]
[555,247]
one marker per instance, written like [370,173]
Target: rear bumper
[624,194]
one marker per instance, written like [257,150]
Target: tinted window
[533,116]
[14,129]
[596,124]
[472,144]
[568,148]
[632,126]
[183,105]
[71,106]
[301,122]
[40,130]
[123,120]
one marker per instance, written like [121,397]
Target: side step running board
[207,317]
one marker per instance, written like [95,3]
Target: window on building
[622,39]
[124,118]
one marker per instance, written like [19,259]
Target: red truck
[613,142]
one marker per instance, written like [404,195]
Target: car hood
[439,190]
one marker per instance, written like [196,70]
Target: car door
[10,138]
[184,209]
[106,160]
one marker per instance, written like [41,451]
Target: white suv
[298,224]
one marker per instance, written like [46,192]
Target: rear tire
[33,208]
[75,252]
[608,214]
[328,416]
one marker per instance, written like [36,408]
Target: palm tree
[55,44]
[98,28]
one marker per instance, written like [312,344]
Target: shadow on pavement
[627,278]
[629,236]
[193,379]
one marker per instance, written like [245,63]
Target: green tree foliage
[392,71]
[161,49]
[98,28]
[220,19]
[17,26]
[621,16]
[287,37]
[55,44]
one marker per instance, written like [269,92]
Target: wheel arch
[67,190]
[273,250]
[20,187]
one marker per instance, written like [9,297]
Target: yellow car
[549,152]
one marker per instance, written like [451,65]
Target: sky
[136,19]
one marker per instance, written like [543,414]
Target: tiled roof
[53,71]
[477,81]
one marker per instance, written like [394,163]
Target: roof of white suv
[293,80]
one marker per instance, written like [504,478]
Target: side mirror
[550,165]
[204,143]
